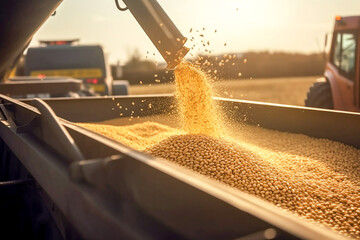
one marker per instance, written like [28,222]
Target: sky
[241,25]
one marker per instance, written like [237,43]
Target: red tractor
[339,89]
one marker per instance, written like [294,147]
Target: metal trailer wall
[319,123]
[24,214]
[119,192]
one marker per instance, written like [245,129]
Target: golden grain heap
[138,136]
[317,179]
[312,182]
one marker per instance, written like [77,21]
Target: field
[291,90]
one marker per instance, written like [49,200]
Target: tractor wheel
[319,96]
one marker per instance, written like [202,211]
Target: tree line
[246,65]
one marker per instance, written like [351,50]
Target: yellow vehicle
[62,58]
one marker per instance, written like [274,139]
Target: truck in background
[85,62]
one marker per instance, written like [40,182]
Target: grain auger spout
[160,29]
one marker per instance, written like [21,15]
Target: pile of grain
[137,136]
[322,189]
[317,179]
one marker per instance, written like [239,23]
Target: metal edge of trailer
[335,125]
[132,190]
[58,86]
[96,109]
[339,126]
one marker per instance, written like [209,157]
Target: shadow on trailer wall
[24,214]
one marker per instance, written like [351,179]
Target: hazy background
[275,25]
[278,43]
